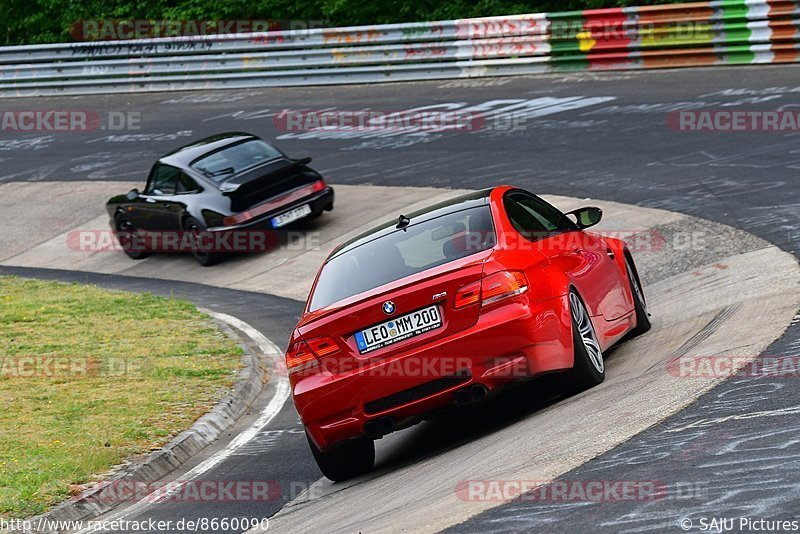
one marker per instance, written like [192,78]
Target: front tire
[639,303]
[346,460]
[588,369]
[126,235]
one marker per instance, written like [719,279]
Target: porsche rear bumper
[318,202]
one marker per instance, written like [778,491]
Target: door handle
[150,200]
[610,253]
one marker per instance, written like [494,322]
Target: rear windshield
[234,159]
[404,252]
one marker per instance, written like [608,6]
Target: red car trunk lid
[436,286]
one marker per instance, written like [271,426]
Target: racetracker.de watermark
[734,366]
[67,367]
[727,120]
[223,242]
[198,490]
[304,120]
[125,29]
[571,491]
[582,29]
[189,491]
[413,366]
[69,120]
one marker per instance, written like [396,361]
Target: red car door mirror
[586,217]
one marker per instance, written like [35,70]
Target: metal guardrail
[702,33]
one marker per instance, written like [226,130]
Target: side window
[187,185]
[162,180]
[534,218]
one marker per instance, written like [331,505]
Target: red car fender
[620,249]
[547,301]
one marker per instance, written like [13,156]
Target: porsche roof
[184,155]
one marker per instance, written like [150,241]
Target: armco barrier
[703,33]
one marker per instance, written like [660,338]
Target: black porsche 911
[226,183]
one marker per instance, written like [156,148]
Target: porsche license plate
[290,216]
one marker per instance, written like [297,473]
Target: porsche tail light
[491,288]
[238,218]
[318,186]
[502,285]
[230,221]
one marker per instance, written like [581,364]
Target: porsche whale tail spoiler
[267,181]
[275,169]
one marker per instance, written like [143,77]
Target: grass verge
[90,378]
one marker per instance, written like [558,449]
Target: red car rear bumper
[517,339]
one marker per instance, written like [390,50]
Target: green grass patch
[90,378]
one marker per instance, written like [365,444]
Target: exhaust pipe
[471,394]
[463,396]
[479,391]
[386,425]
[377,428]
[371,429]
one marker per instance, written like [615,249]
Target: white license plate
[290,216]
[398,329]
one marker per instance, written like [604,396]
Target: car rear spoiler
[233,185]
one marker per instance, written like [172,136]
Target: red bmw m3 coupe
[445,305]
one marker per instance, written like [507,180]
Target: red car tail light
[299,357]
[502,285]
[468,295]
[491,288]
[323,346]
[307,356]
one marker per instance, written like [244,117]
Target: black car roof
[461,202]
[184,155]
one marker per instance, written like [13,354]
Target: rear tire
[346,460]
[639,302]
[125,233]
[588,369]
[206,259]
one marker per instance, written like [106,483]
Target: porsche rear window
[223,164]
[404,252]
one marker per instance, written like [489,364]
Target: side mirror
[586,217]
[133,194]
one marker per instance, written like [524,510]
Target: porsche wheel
[346,460]
[203,257]
[126,235]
